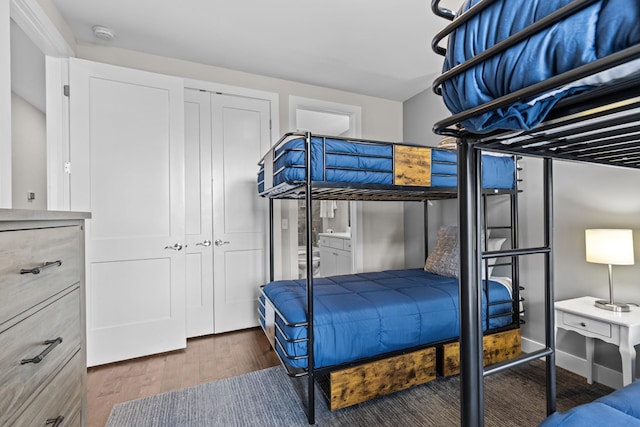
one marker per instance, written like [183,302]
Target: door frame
[355,207]
[39,27]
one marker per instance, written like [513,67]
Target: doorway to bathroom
[335,233]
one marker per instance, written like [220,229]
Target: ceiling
[373,47]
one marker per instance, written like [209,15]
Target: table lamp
[611,247]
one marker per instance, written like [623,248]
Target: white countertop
[340,235]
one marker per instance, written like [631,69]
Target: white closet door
[241,136]
[127,169]
[199,215]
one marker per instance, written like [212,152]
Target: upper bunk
[554,78]
[358,169]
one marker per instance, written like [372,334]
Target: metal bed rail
[449,126]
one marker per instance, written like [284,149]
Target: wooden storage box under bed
[357,384]
[364,382]
[496,348]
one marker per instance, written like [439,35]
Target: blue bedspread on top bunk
[605,27]
[367,163]
[367,314]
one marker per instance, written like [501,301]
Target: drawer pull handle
[51,345]
[55,422]
[584,325]
[37,270]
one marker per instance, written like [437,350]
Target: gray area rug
[515,397]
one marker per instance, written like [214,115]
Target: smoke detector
[103,33]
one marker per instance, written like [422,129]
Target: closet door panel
[127,169]
[199,221]
[241,136]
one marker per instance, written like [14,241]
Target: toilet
[302,262]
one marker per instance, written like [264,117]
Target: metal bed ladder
[471,352]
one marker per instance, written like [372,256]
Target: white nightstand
[622,329]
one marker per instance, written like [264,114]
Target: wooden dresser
[42,318]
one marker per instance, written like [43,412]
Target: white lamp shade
[609,246]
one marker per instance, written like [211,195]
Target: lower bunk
[378,333]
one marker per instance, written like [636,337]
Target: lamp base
[612,306]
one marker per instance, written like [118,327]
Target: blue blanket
[618,409]
[367,314]
[335,160]
[605,27]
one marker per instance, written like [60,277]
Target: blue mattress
[605,27]
[367,314]
[617,409]
[335,160]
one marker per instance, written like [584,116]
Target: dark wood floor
[205,359]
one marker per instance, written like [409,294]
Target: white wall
[381,120]
[420,112]
[29,149]
[585,196]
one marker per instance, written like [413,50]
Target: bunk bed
[550,79]
[396,325]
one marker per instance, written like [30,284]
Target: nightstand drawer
[586,324]
[24,250]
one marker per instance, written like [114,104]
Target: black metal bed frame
[597,126]
[310,190]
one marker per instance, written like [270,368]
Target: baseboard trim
[577,365]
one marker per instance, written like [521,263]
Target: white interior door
[199,215]
[241,136]
[127,169]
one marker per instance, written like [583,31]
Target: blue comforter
[618,409]
[336,160]
[605,27]
[367,314]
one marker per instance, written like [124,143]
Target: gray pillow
[444,259]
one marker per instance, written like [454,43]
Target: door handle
[175,247]
[219,242]
[206,243]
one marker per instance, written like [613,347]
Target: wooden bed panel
[412,165]
[497,347]
[364,382]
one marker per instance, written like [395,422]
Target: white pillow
[492,245]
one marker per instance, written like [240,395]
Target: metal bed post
[271,247]
[425,214]
[311,408]
[548,297]
[471,366]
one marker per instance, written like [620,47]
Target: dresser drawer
[26,340]
[26,249]
[61,398]
[586,324]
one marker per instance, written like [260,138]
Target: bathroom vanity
[335,254]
